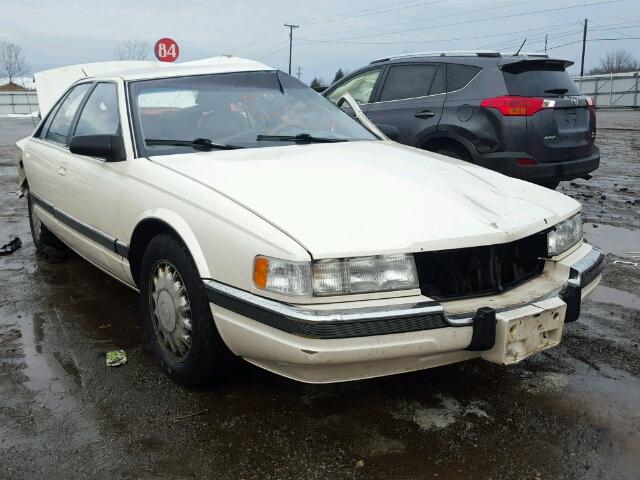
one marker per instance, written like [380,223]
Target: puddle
[617,240]
[435,418]
[46,375]
[614,296]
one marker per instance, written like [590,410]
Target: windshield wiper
[557,91]
[301,137]
[196,143]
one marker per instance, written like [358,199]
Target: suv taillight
[512,106]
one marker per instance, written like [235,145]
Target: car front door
[88,188]
[411,99]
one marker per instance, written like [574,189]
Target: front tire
[177,315]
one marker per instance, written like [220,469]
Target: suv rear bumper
[506,162]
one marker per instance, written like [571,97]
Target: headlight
[564,235]
[336,277]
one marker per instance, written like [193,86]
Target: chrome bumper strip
[362,322]
[346,323]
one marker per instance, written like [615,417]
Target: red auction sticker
[166,50]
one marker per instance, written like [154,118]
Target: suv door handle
[62,171]
[425,114]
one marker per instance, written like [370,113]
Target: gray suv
[518,114]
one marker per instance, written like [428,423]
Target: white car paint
[370,197]
[301,202]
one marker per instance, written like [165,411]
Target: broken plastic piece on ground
[622,262]
[116,358]
[11,247]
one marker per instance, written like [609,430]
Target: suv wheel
[46,243]
[454,152]
[177,315]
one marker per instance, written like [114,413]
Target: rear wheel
[45,242]
[454,152]
[177,315]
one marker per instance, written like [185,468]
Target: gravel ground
[571,412]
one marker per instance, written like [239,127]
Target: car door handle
[425,114]
[62,171]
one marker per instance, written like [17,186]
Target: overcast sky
[332,33]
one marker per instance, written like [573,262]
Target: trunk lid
[565,131]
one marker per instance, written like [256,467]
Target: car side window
[408,81]
[359,87]
[100,114]
[458,76]
[61,124]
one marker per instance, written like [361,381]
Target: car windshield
[234,110]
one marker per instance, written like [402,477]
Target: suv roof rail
[459,53]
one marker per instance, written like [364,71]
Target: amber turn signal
[260,271]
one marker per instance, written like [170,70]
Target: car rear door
[411,99]
[565,128]
[47,150]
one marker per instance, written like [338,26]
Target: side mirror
[109,147]
[390,131]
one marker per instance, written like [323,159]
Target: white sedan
[258,220]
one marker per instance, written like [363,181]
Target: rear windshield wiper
[196,143]
[301,137]
[557,91]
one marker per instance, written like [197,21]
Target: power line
[372,11]
[499,17]
[455,14]
[400,42]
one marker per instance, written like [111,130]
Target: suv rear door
[566,128]
[411,99]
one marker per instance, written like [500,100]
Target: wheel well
[142,235]
[441,143]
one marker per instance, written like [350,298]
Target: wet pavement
[571,412]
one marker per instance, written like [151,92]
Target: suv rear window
[458,76]
[538,79]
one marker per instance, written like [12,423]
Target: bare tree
[133,50]
[12,61]
[617,61]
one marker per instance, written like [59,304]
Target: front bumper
[506,162]
[315,345]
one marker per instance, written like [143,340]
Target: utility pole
[299,72]
[584,46]
[291,27]
[546,40]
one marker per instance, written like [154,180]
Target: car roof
[220,64]
[468,55]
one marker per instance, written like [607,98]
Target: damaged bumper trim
[370,321]
[582,273]
[329,324]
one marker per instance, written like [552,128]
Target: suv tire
[453,152]
[177,316]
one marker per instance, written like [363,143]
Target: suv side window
[359,87]
[61,124]
[409,81]
[458,76]
[100,114]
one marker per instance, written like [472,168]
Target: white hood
[364,198]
